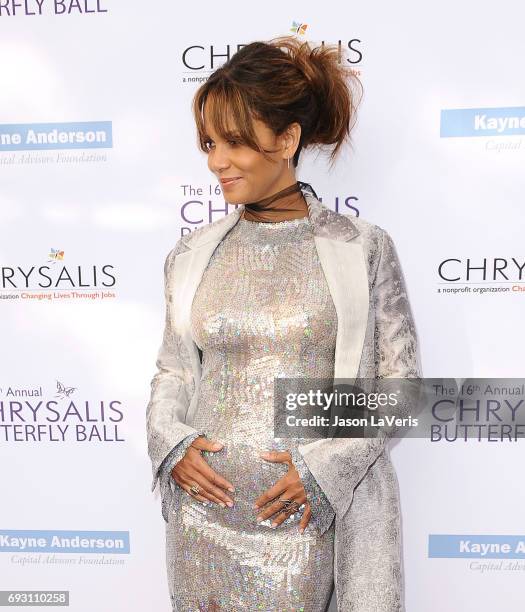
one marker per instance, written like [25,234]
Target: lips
[229,181]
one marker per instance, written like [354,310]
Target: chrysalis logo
[14,8]
[48,282]
[298,28]
[60,277]
[475,269]
[29,414]
[56,255]
[208,57]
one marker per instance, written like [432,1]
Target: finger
[195,461]
[305,519]
[203,492]
[277,489]
[285,514]
[277,505]
[201,498]
[210,489]
[203,467]
[286,483]
[276,456]
[186,483]
[203,443]
[269,511]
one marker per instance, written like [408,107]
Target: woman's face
[256,177]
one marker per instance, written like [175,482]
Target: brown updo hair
[279,82]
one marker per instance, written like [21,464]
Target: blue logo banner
[476,546]
[468,122]
[63,541]
[45,136]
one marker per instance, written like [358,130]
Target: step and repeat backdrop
[100,175]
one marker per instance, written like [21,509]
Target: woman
[281,287]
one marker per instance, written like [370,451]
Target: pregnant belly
[251,476]
[239,462]
[245,428]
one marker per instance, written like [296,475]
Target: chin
[232,202]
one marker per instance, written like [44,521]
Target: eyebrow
[228,135]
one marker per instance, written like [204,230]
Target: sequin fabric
[262,310]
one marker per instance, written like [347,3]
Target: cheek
[241,160]
[249,162]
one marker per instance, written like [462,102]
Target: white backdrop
[86,222]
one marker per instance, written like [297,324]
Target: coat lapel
[340,253]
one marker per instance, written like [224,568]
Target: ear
[291,137]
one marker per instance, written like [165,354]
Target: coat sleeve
[172,387]
[339,464]
[322,512]
[168,486]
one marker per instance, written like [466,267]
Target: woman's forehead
[224,118]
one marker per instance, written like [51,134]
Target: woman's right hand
[193,469]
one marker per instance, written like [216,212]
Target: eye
[209,144]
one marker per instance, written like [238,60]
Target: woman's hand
[192,469]
[290,486]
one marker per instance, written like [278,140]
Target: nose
[218,159]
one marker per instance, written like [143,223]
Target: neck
[286,204]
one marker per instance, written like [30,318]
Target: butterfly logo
[298,28]
[56,255]
[63,391]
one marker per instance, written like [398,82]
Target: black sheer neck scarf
[286,204]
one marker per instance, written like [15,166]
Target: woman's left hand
[290,486]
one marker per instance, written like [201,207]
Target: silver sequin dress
[262,310]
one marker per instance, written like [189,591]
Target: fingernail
[255,507]
[231,489]
[259,519]
[222,504]
[218,445]
[274,525]
[229,504]
[301,530]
